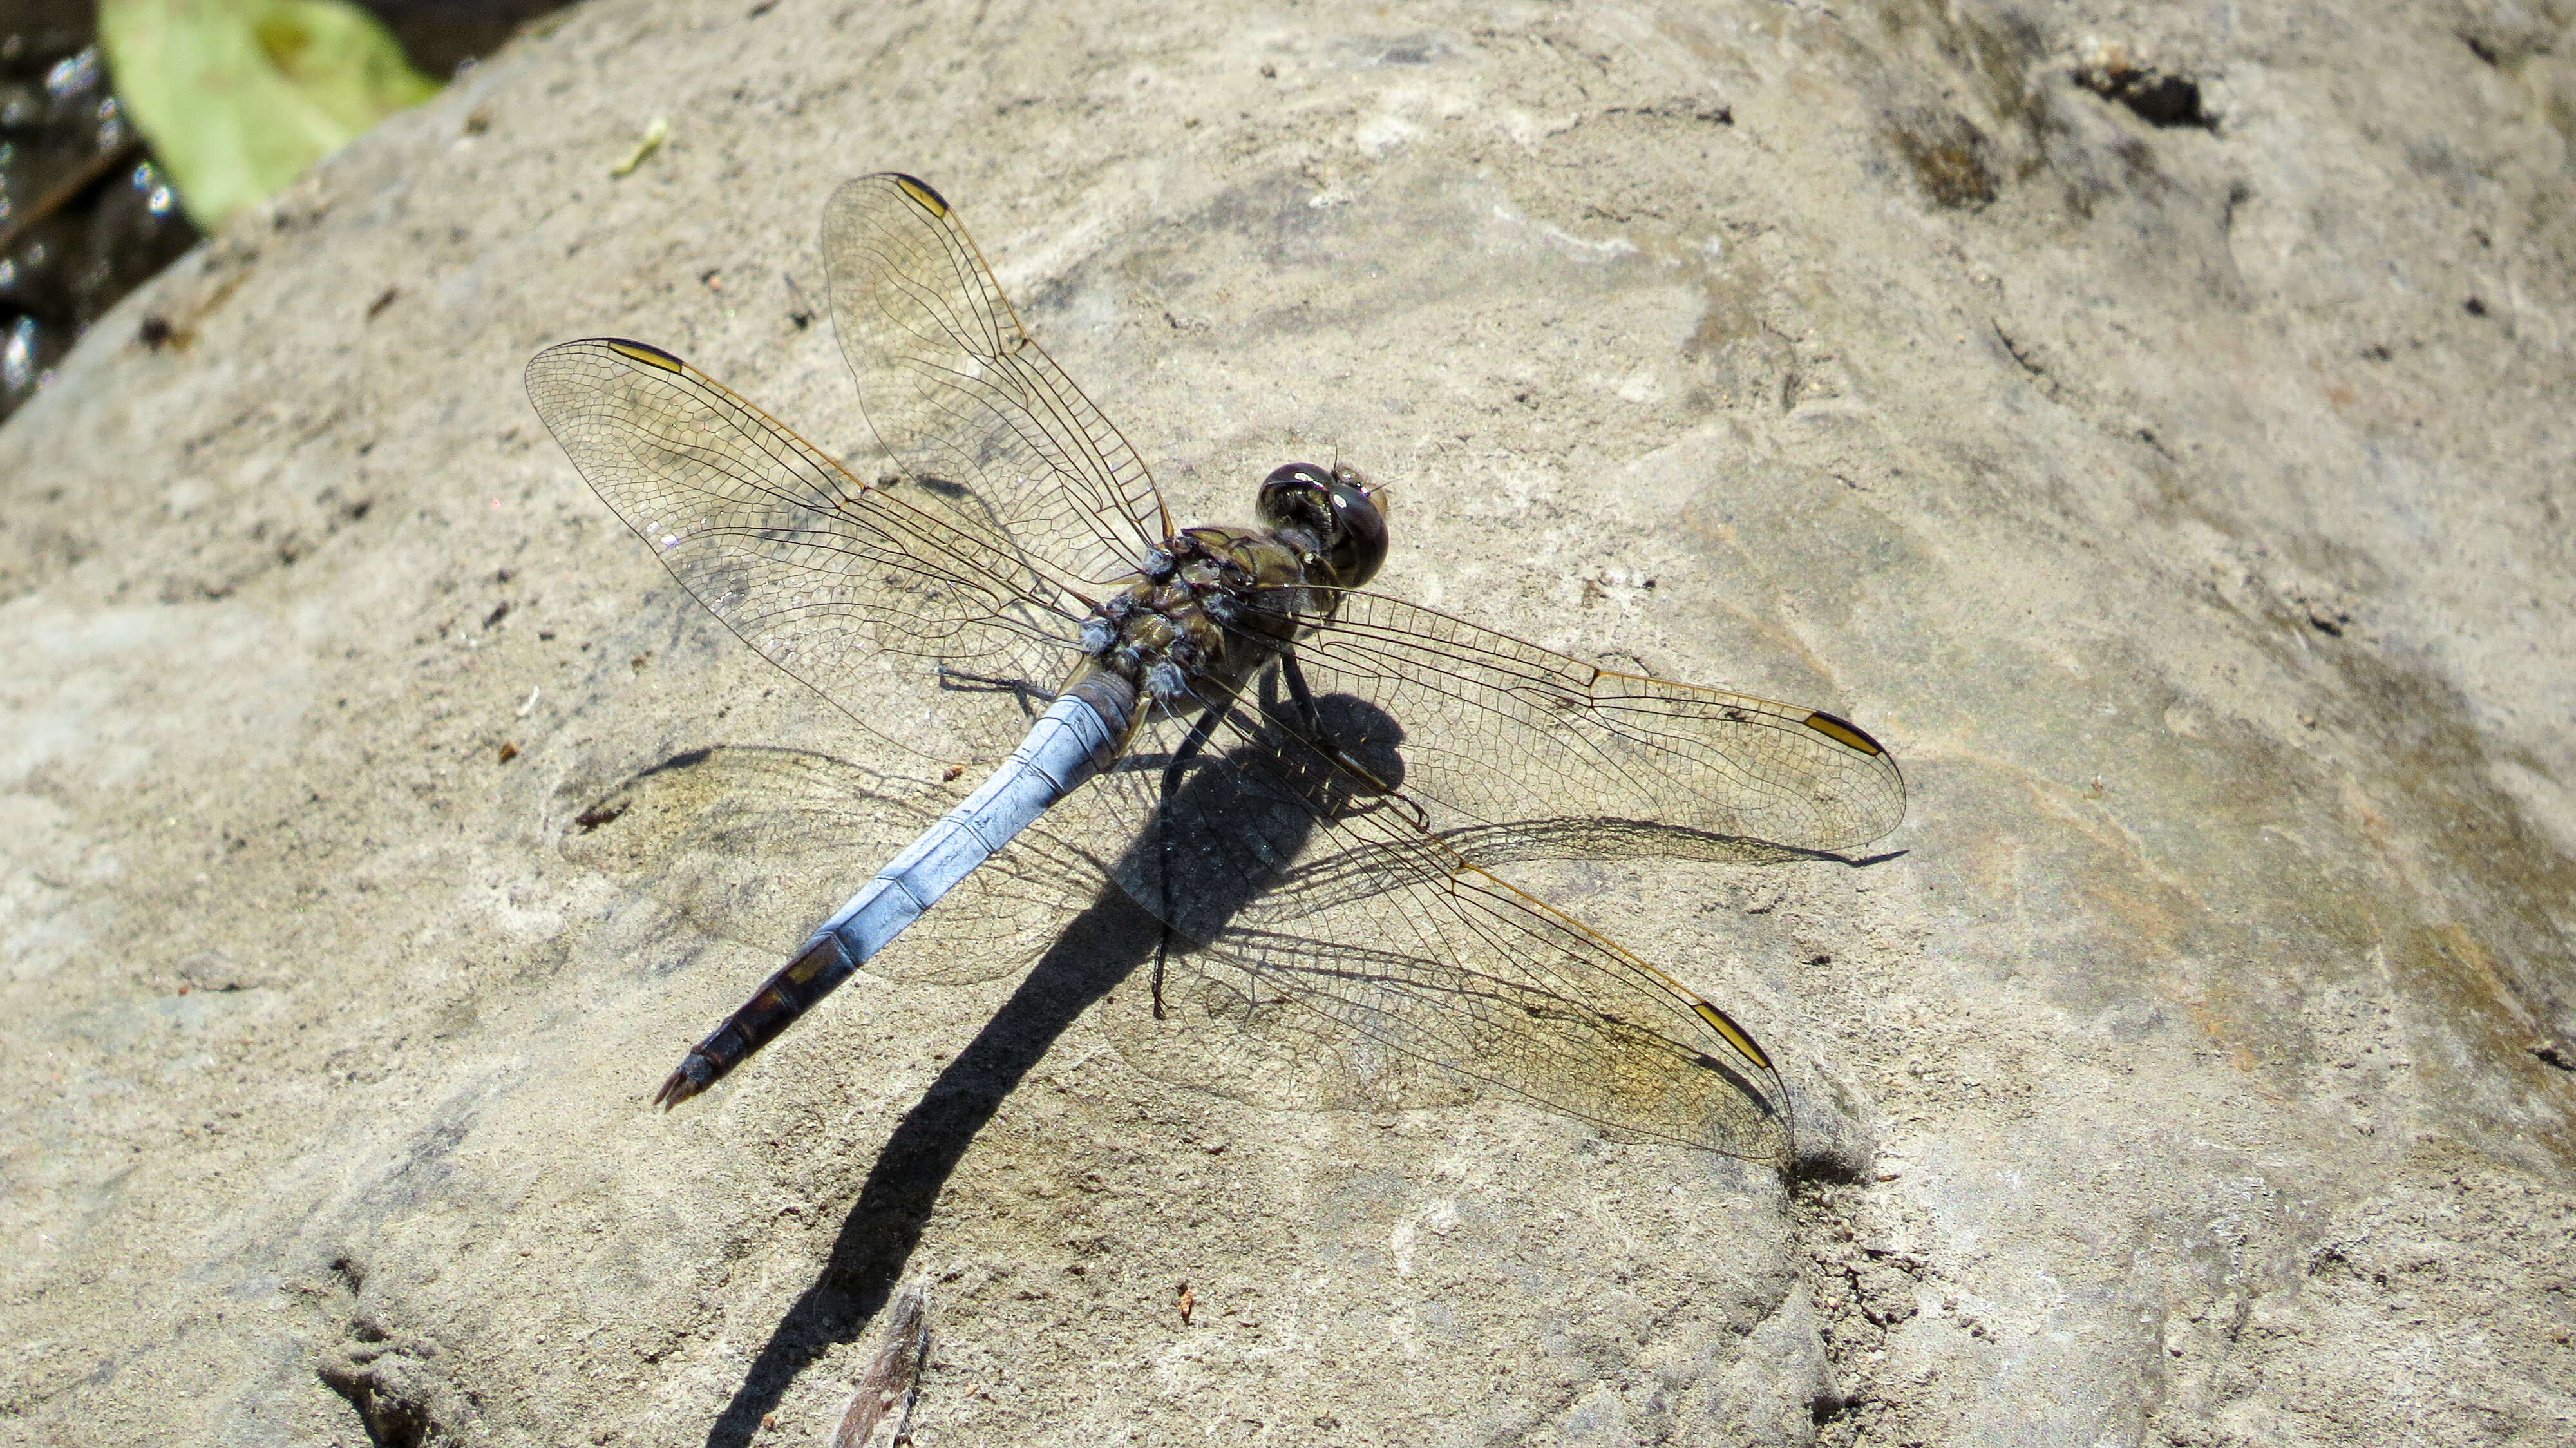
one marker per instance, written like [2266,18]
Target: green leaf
[238,97]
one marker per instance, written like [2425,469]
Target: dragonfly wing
[935,632]
[1502,735]
[1329,950]
[1334,951]
[962,396]
[756,845]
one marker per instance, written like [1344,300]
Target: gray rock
[2175,481]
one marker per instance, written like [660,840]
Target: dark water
[85,214]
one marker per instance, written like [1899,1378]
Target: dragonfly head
[1329,509]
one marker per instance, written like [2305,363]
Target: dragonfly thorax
[1205,611]
[1212,605]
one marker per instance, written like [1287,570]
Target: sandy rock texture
[2153,422]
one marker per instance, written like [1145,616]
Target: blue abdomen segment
[1077,737]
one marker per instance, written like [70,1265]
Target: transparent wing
[1330,951]
[756,845]
[1509,740]
[1337,952]
[933,629]
[963,398]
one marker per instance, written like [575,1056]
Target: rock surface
[2154,425]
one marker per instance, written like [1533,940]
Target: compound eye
[1297,493]
[1359,533]
[1303,473]
[1332,508]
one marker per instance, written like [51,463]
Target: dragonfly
[1316,791]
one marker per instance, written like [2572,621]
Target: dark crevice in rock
[1828,1408]
[394,1418]
[2155,97]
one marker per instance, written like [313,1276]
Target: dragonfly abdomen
[1078,736]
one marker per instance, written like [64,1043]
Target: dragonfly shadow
[1244,797]
[1099,949]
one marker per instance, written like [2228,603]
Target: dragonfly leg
[1189,748]
[1310,720]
